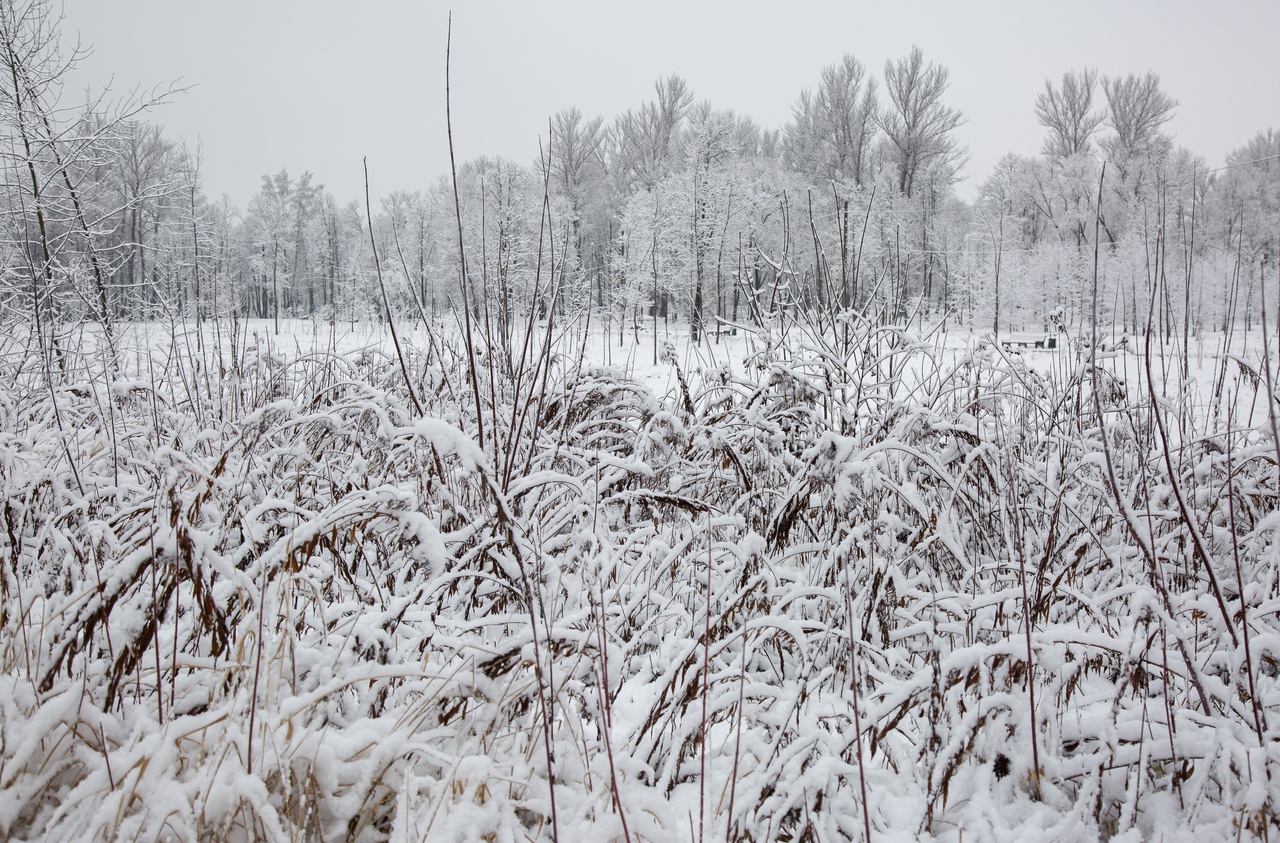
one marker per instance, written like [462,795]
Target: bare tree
[1068,113]
[714,136]
[918,125]
[1136,110]
[577,173]
[48,218]
[577,147]
[145,175]
[647,141]
[59,169]
[831,134]
[268,230]
[1247,195]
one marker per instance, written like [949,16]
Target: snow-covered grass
[250,592]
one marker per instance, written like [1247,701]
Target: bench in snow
[1010,342]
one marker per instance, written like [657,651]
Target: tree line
[677,209]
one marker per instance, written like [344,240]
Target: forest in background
[675,210]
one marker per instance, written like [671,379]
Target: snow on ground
[786,584]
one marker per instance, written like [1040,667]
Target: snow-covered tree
[833,130]
[1068,113]
[918,125]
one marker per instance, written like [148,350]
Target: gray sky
[318,85]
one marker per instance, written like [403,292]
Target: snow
[260,596]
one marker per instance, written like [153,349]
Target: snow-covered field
[792,584]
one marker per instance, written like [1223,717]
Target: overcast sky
[318,85]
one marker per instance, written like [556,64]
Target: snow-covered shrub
[282,604]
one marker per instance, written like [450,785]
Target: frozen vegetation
[685,484]
[259,591]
